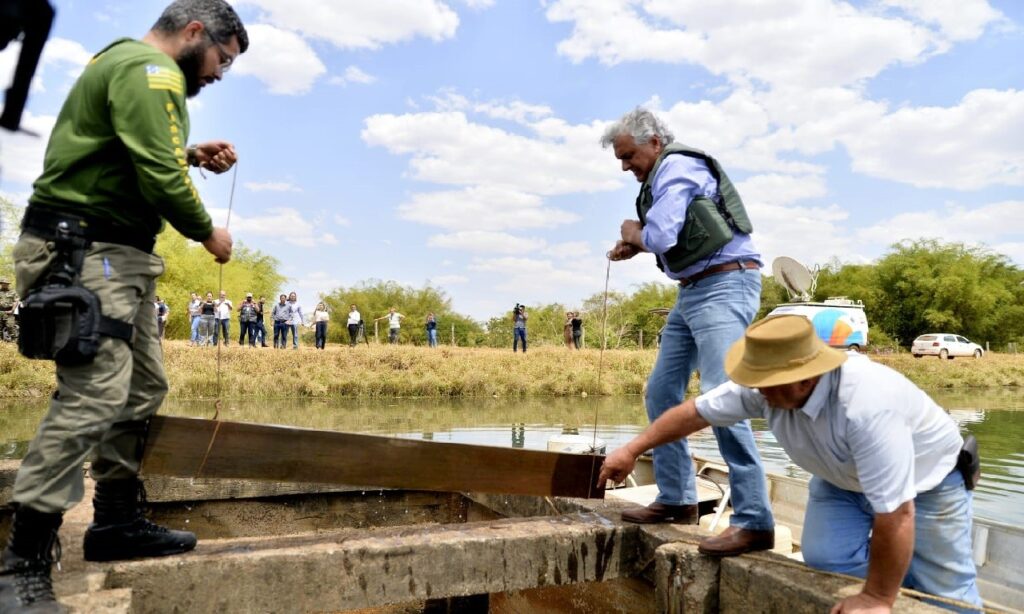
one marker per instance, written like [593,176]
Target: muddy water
[996,418]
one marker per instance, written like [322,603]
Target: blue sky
[456,141]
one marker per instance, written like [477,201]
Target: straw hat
[780,350]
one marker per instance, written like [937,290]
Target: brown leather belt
[735,265]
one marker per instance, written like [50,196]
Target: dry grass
[406,371]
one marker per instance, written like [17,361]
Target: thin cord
[600,368]
[218,403]
[220,283]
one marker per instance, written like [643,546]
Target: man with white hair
[692,219]
[890,500]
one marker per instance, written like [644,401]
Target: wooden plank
[193,447]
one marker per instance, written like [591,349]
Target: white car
[945,345]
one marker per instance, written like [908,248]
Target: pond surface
[996,418]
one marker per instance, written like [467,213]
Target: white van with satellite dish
[839,321]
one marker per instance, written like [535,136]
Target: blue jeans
[295,335]
[837,527]
[707,318]
[517,334]
[280,334]
[194,337]
[321,335]
[221,326]
[432,337]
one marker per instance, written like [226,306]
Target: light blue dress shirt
[679,180]
[865,428]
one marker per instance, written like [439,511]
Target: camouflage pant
[100,410]
[8,326]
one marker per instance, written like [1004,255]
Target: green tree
[188,268]
[374,297]
[10,220]
[929,286]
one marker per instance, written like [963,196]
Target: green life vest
[709,223]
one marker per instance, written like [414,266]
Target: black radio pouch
[61,320]
[969,462]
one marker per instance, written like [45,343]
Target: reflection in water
[996,418]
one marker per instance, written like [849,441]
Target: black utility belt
[43,221]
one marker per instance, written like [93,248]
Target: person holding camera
[519,326]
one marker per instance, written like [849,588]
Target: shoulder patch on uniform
[161,78]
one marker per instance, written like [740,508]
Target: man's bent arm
[674,424]
[892,546]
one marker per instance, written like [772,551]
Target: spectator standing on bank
[431,330]
[577,330]
[223,324]
[207,320]
[354,320]
[281,315]
[261,329]
[296,320]
[247,320]
[567,330]
[194,304]
[320,318]
[519,317]
[394,324]
[162,310]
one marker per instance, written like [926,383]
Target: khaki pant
[100,410]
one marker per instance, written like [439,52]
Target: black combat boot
[120,531]
[25,584]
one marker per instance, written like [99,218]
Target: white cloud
[282,60]
[271,186]
[482,209]
[487,242]
[58,52]
[968,146]
[21,157]
[957,19]
[447,148]
[543,277]
[569,249]
[449,280]
[283,224]
[818,42]
[989,224]
[341,220]
[353,74]
[776,189]
[362,25]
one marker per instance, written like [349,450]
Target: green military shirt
[117,151]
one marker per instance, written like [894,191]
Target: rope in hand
[219,403]
[600,368]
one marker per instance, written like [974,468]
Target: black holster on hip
[969,462]
[60,319]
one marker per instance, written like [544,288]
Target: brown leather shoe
[659,512]
[734,541]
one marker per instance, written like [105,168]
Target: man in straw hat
[887,501]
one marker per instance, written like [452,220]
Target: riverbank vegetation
[378,371]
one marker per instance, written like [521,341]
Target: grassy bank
[404,371]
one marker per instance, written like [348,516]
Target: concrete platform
[318,548]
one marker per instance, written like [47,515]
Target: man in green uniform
[8,301]
[115,168]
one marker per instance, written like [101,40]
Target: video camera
[518,308]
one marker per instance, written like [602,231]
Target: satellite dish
[794,277]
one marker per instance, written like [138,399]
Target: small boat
[998,547]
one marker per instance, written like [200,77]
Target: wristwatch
[190,156]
